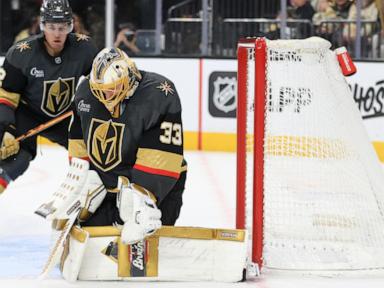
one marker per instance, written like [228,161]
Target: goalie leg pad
[73,253]
[171,254]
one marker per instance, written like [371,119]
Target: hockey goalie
[116,208]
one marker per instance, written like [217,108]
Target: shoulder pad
[79,39]
[163,85]
[17,54]
[84,43]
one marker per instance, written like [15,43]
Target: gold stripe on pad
[159,159]
[153,257]
[58,224]
[13,98]
[102,231]
[176,232]
[77,148]
[201,233]
[124,265]
[79,234]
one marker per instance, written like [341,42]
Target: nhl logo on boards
[222,94]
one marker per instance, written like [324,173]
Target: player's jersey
[43,83]
[145,143]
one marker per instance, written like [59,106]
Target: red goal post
[245,56]
[310,188]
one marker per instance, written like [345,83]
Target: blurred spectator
[92,14]
[378,39]
[335,10]
[344,9]
[34,28]
[370,31]
[300,10]
[321,6]
[78,25]
[126,39]
[338,33]
[314,4]
[380,7]
[370,10]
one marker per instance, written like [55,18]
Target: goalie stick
[78,196]
[66,206]
[58,247]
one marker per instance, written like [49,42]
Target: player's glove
[9,146]
[138,210]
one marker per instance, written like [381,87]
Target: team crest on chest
[105,143]
[57,96]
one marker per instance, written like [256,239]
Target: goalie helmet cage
[309,184]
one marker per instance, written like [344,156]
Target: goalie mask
[56,11]
[114,77]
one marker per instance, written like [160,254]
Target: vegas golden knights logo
[105,143]
[57,96]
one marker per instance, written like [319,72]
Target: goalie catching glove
[137,208]
[9,146]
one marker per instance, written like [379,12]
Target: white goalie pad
[171,254]
[72,256]
[82,188]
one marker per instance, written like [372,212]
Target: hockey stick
[58,247]
[44,126]
[65,204]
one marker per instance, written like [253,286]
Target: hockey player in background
[127,123]
[37,83]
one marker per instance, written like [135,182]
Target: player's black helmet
[56,11]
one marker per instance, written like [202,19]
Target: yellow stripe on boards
[379,148]
[224,142]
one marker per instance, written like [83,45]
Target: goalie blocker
[171,254]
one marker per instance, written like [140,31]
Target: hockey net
[310,188]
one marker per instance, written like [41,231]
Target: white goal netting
[323,184]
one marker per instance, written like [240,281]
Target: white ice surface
[209,201]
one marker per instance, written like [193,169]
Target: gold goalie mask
[114,77]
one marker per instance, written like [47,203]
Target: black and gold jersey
[44,83]
[145,143]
